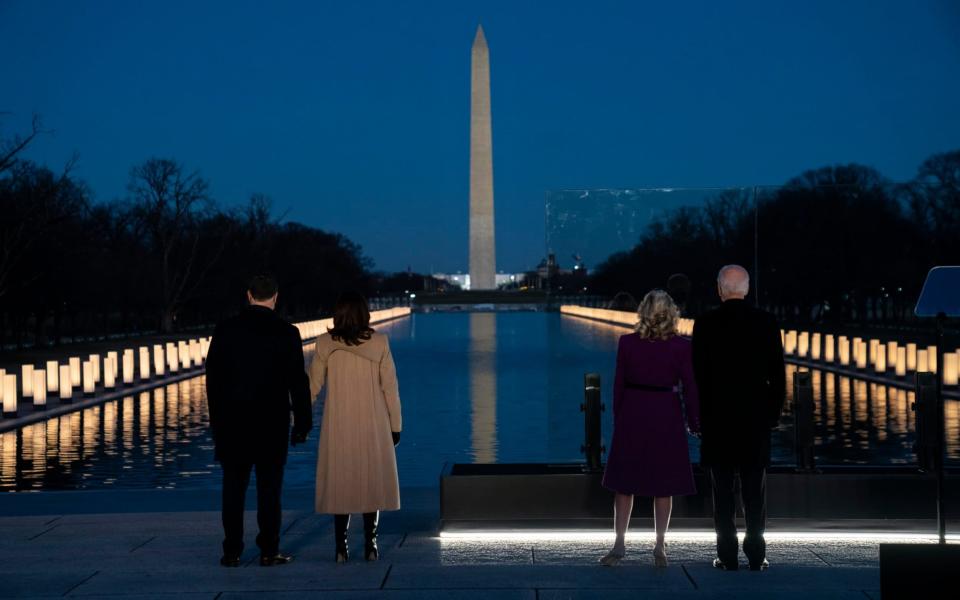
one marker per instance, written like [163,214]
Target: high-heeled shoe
[370,523]
[341,524]
[660,556]
[612,558]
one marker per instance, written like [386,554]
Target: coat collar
[369,350]
[734,303]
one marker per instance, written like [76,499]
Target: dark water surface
[475,387]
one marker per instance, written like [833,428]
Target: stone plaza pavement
[165,544]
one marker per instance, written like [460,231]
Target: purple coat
[649,455]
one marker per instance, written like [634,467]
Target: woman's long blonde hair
[657,316]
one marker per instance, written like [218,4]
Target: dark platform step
[548,495]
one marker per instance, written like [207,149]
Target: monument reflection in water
[478,387]
[483,386]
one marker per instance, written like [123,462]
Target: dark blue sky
[353,116]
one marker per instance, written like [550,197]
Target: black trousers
[236,478]
[753,488]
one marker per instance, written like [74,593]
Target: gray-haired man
[738,364]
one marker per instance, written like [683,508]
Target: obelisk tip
[480,40]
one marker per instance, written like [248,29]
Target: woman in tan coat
[356,463]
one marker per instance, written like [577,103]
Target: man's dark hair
[262,287]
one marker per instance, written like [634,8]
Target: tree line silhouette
[166,257]
[837,244]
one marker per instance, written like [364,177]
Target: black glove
[396,438]
[298,437]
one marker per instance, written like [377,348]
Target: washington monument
[483,261]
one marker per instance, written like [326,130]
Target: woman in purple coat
[649,454]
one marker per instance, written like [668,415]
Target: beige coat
[356,463]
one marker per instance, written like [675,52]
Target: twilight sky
[353,116]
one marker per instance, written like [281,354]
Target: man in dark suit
[738,364]
[255,377]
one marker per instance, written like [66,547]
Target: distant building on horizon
[463,279]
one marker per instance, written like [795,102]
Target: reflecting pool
[475,387]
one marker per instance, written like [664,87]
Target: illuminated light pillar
[861,354]
[815,346]
[923,366]
[880,364]
[53,376]
[128,367]
[892,354]
[9,395]
[184,353]
[109,375]
[911,357]
[39,389]
[173,361]
[932,358]
[803,344]
[791,346]
[144,363]
[844,351]
[76,378]
[873,351]
[112,359]
[829,350]
[901,361]
[26,381]
[195,355]
[205,347]
[89,385]
[66,384]
[950,367]
[95,364]
[159,365]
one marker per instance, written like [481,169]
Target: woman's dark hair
[351,319]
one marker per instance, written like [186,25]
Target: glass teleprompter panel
[587,226]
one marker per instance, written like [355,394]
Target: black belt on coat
[649,388]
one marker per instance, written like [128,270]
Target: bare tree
[724,215]
[169,207]
[9,149]
[32,200]
[934,194]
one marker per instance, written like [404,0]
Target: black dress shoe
[719,564]
[229,561]
[276,559]
[762,566]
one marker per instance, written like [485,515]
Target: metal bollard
[927,446]
[591,409]
[803,416]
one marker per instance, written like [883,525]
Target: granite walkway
[154,545]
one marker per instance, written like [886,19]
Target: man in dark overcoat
[255,379]
[739,369]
